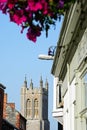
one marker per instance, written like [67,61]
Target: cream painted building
[70,70]
[34,106]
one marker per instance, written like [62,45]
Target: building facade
[34,106]
[1,104]
[12,117]
[70,70]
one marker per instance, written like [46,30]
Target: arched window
[28,108]
[36,108]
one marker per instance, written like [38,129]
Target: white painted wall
[54,93]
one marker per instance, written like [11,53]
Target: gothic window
[35,108]
[28,108]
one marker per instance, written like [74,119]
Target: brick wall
[4,105]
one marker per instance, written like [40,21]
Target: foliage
[35,15]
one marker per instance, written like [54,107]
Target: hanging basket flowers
[35,15]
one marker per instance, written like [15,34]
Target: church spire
[41,82]
[31,84]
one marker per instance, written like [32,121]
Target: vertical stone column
[77,103]
[23,98]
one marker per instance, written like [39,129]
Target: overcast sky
[19,57]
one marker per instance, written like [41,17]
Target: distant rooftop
[2,86]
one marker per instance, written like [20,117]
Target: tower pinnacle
[41,82]
[31,84]
[25,82]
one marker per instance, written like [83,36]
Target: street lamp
[45,57]
[50,56]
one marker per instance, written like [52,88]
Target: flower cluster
[35,15]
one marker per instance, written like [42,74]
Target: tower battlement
[31,88]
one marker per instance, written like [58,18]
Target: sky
[19,57]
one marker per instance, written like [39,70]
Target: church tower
[34,105]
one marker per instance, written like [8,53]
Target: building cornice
[73,27]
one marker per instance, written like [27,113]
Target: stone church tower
[34,106]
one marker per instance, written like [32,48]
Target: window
[35,108]
[58,96]
[28,108]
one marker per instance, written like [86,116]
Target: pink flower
[36,15]
[2,1]
[34,6]
[10,5]
[3,6]
[45,8]
[19,20]
[33,33]
[18,17]
[38,6]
